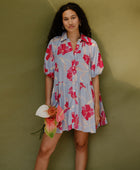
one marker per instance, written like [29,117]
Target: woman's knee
[81,146]
[46,151]
[47,147]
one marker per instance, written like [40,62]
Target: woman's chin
[72,30]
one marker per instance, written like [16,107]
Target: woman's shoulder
[89,40]
[55,39]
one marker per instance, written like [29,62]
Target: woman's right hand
[48,103]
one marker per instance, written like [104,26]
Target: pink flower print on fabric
[49,52]
[73,94]
[102,118]
[46,70]
[93,67]
[76,49]
[89,41]
[66,107]
[87,111]
[51,75]
[100,97]
[59,83]
[100,61]
[69,75]
[70,127]
[91,83]
[72,70]
[86,58]
[93,95]
[86,41]
[59,125]
[82,85]
[57,96]
[74,62]
[75,120]
[63,49]
[56,67]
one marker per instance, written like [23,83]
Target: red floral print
[72,70]
[73,94]
[70,127]
[93,95]
[46,70]
[59,83]
[100,62]
[66,107]
[51,75]
[75,120]
[82,85]
[49,52]
[69,75]
[74,62]
[102,118]
[87,41]
[76,49]
[63,49]
[100,97]
[91,83]
[87,111]
[56,67]
[86,58]
[93,67]
[59,125]
[57,96]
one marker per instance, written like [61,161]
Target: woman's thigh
[49,143]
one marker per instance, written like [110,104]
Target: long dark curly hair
[56,28]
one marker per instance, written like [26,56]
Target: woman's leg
[81,145]
[46,149]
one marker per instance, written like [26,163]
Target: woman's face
[70,20]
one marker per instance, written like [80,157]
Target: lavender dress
[72,73]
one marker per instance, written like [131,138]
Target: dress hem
[92,132]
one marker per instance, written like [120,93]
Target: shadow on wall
[121,103]
[117,95]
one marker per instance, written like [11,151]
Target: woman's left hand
[97,115]
[97,119]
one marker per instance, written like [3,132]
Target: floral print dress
[72,72]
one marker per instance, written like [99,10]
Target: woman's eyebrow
[71,16]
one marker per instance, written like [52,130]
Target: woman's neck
[73,36]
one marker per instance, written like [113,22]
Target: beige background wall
[24,26]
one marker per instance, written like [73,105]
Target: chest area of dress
[66,56]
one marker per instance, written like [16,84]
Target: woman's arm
[48,89]
[95,82]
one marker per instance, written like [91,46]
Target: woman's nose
[70,21]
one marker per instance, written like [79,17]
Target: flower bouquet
[52,116]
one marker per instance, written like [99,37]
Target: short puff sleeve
[49,64]
[96,62]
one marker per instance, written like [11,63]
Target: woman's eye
[73,17]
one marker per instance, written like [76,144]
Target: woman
[72,65]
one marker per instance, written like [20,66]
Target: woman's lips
[71,26]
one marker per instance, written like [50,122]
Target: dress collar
[82,38]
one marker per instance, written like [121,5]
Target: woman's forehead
[69,13]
